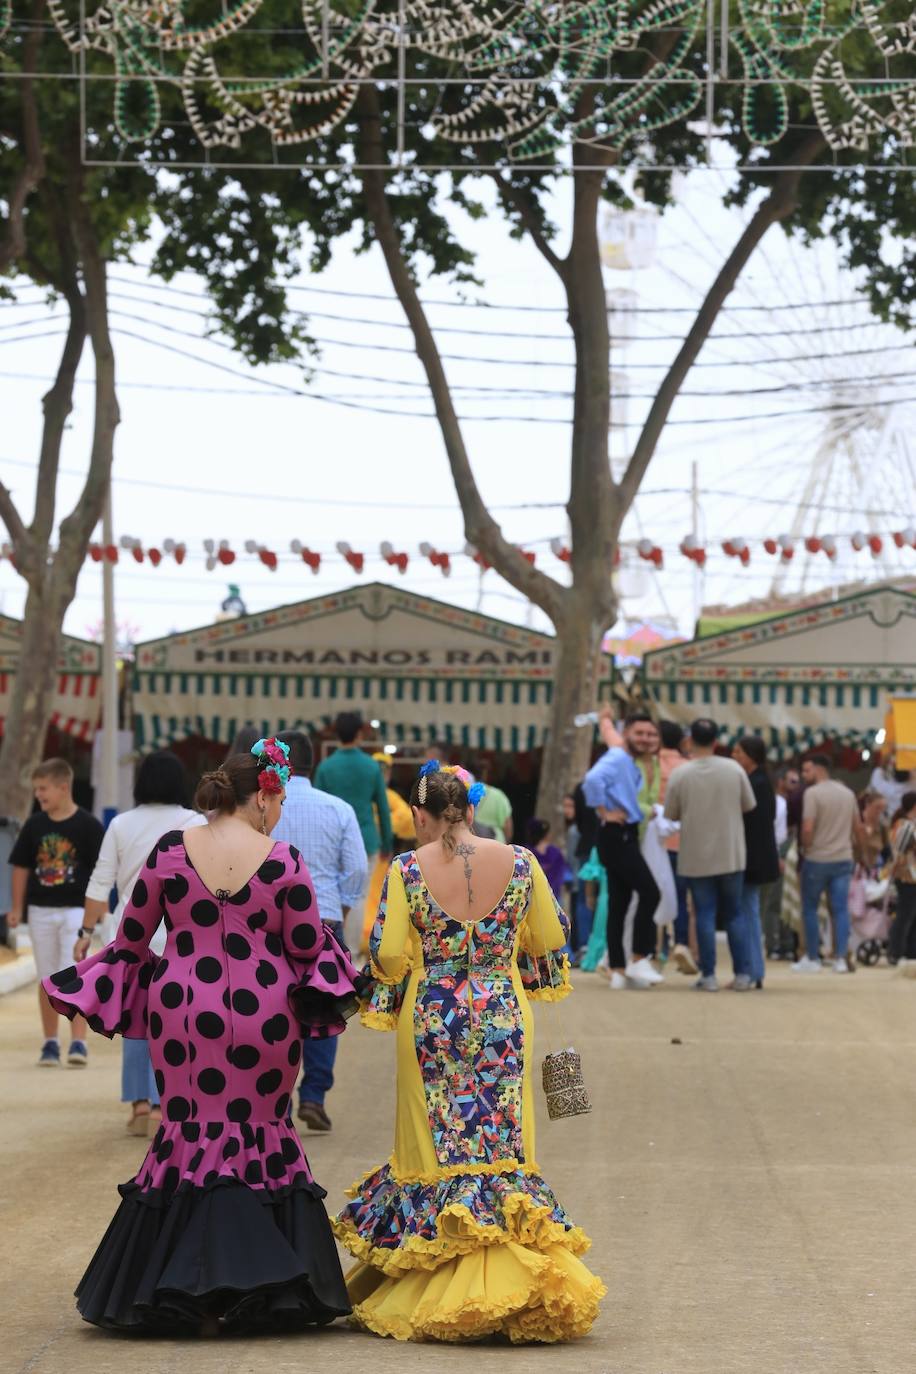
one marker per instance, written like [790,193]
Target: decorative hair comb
[272,756]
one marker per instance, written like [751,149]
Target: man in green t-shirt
[495,808]
[355,777]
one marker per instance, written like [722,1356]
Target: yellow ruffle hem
[520,1279]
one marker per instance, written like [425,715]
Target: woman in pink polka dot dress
[223,1225]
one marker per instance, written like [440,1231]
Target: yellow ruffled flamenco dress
[458,1236]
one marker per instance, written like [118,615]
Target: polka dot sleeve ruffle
[111,988]
[327,991]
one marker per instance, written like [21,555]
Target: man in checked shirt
[326,832]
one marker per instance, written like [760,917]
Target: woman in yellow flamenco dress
[458,1236]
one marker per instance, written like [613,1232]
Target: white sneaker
[644,971]
[840,966]
[806,965]
[617,982]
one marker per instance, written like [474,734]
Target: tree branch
[13,243]
[480,527]
[778,205]
[515,199]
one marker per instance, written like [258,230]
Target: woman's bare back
[226,858]
[468,884]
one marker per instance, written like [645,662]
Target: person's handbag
[561,1076]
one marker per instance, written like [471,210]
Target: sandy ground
[748,1176]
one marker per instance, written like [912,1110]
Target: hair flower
[272,755]
[431,766]
[476,793]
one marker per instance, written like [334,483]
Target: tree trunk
[31,702]
[575,691]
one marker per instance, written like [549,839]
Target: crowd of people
[669,841]
[230,963]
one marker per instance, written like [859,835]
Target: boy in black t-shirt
[52,862]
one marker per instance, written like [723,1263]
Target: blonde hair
[56,770]
[445,797]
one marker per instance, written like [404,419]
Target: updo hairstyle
[446,798]
[229,787]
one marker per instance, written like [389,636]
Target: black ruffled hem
[252,1259]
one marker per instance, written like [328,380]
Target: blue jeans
[753,931]
[720,894]
[318,1056]
[584,917]
[834,876]
[682,920]
[137,1081]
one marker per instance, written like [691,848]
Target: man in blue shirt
[326,832]
[612,788]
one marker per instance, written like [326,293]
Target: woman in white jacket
[160,791]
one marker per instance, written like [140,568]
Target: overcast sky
[203,454]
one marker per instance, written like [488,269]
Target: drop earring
[263,821]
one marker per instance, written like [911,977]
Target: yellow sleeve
[544,929]
[389,939]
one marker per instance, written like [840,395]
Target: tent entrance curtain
[477,713]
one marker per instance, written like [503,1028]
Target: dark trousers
[627,872]
[900,942]
[318,1056]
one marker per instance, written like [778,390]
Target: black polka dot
[244,1002]
[299,897]
[125,1023]
[231,1148]
[190,994]
[214,1130]
[184,943]
[253,1171]
[210,1025]
[176,889]
[245,1056]
[127,956]
[269,1082]
[210,1177]
[304,936]
[271,870]
[281,1107]
[97,1024]
[273,944]
[205,913]
[192,1051]
[172,1178]
[178,1109]
[211,1081]
[242,897]
[195,1161]
[257,921]
[290,1151]
[169,923]
[280,899]
[174,1053]
[133,930]
[276,1166]
[190,1130]
[161,969]
[208,970]
[172,995]
[226,998]
[64,977]
[328,970]
[237,947]
[104,987]
[276,1029]
[239,1109]
[146,975]
[266,974]
[155,1025]
[248,1137]
[295,1049]
[160,1081]
[164,1150]
[170,840]
[294,853]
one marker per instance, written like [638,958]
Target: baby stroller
[869,914]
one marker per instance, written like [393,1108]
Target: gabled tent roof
[77,697]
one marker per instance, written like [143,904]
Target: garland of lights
[808,45]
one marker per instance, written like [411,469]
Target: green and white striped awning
[478,713]
[789,716]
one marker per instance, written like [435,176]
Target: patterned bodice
[453,947]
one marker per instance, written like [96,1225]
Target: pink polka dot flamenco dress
[223,1220]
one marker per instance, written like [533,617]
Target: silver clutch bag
[564,1087]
